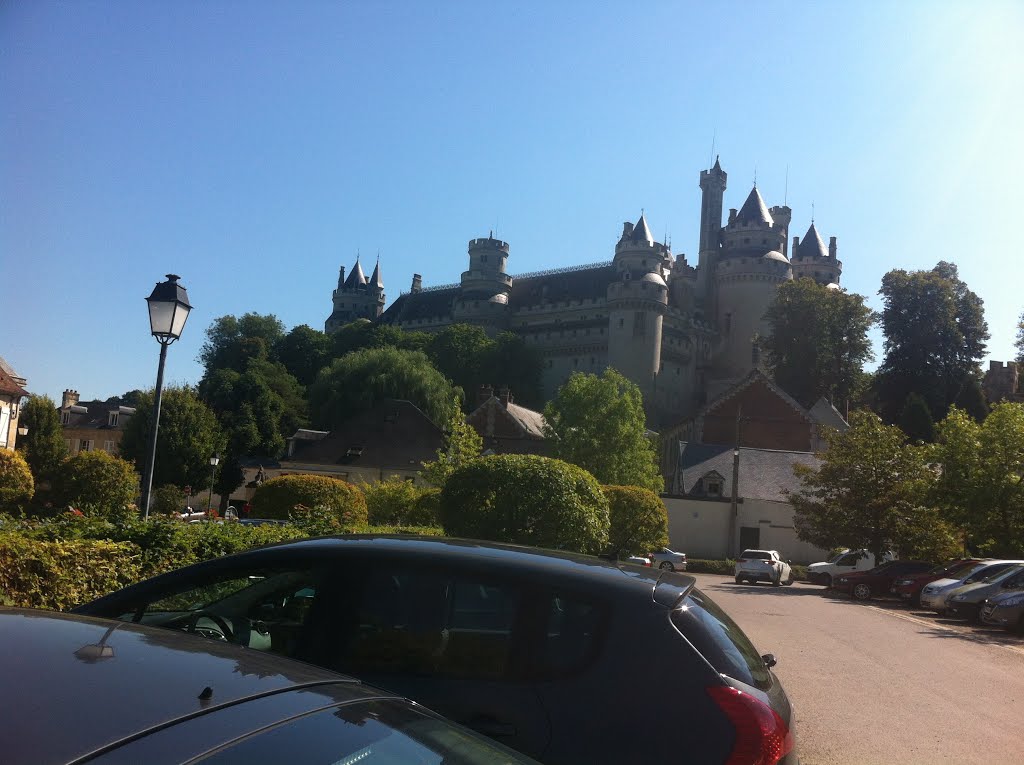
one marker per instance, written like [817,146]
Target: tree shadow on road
[762,588]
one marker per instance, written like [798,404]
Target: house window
[67,444]
[109,447]
[85,445]
[112,419]
[65,417]
[714,488]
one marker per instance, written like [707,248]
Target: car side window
[434,623]
[848,560]
[572,637]
[260,608]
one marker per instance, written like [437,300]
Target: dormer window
[112,419]
[712,484]
[65,418]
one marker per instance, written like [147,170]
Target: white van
[843,563]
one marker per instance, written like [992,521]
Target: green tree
[1019,342]
[363,333]
[935,335]
[461,444]
[304,352]
[981,483]
[459,353]
[16,484]
[870,491]
[818,343]
[167,499]
[231,342]
[189,433]
[598,424]
[916,420]
[526,499]
[509,361]
[278,498]
[638,520]
[43,446]
[98,481]
[357,381]
[128,398]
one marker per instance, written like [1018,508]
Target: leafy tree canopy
[357,381]
[461,444]
[935,333]
[304,352]
[231,342]
[818,343]
[871,491]
[189,433]
[16,484]
[981,483]
[916,421]
[363,333]
[598,424]
[638,520]
[43,446]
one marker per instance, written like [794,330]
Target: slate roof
[811,246]
[95,415]
[356,278]
[393,434]
[375,278]
[754,209]
[641,233]
[421,305]
[765,474]
[8,385]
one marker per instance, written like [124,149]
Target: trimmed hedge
[526,499]
[278,497]
[401,502]
[61,574]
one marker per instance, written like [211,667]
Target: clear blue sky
[254,147]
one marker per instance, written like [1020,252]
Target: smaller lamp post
[168,310]
[22,430]
[213,472]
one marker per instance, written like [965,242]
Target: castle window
[746,240]
[639,328]
[643,263]
[483,258]
[622,323]
[764,241]
[728,322]
[575,362]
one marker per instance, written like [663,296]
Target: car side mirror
[769,660]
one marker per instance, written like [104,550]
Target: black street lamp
[168,310]
[213,473]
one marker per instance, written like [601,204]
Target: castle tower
[637,303]
[812,261]
[750,268]
[485,285]
[712,186]
[355,298]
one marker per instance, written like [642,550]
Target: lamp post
[213,472]
[734,510]
[168,310]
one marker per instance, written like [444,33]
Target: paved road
[877,683]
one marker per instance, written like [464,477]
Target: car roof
[77,684]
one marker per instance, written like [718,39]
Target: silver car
[1004,610]
[965,602]
[668,560]
[933,596]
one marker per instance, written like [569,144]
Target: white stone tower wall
[745,292]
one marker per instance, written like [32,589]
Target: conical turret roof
[812,246]
[754,209]
[641,233]
[375,280]
[357,278]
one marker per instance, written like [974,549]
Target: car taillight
[762,738]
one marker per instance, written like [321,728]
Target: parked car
[763,566]
[908,588]
[114,693]
[668,560]
[1004,610]
[846,562]
[638,560]
[527,646]
[965,602]
[863,585]
[933,596]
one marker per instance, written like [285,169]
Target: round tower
[750,268]
[485,285]
[637,302]
[812,261]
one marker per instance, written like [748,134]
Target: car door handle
[491,727]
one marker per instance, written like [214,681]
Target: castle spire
[357,278]
[375,279]
[754,209]
[641,232]
[811,246]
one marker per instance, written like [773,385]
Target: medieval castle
[681,333]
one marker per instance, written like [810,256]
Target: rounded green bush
[278,497]
[96,480]
[16,484]
[638,520]
[526,499]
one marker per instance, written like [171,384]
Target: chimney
[70,398]
[832,247]
[484,394]
[506,396]
[796,243]
[417,283]
[627,230]
[732,215]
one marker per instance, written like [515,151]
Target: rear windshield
[756,555]
[720,641]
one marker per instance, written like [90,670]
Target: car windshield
[984,571]
[720,640]
[756,555]
[1005,572]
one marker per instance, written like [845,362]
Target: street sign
[187,490]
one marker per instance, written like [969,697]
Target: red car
[879,580]
[908,588]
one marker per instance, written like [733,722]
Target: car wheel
[827,580]
[790,581]
[739,580]
[667,566]
[862,591]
